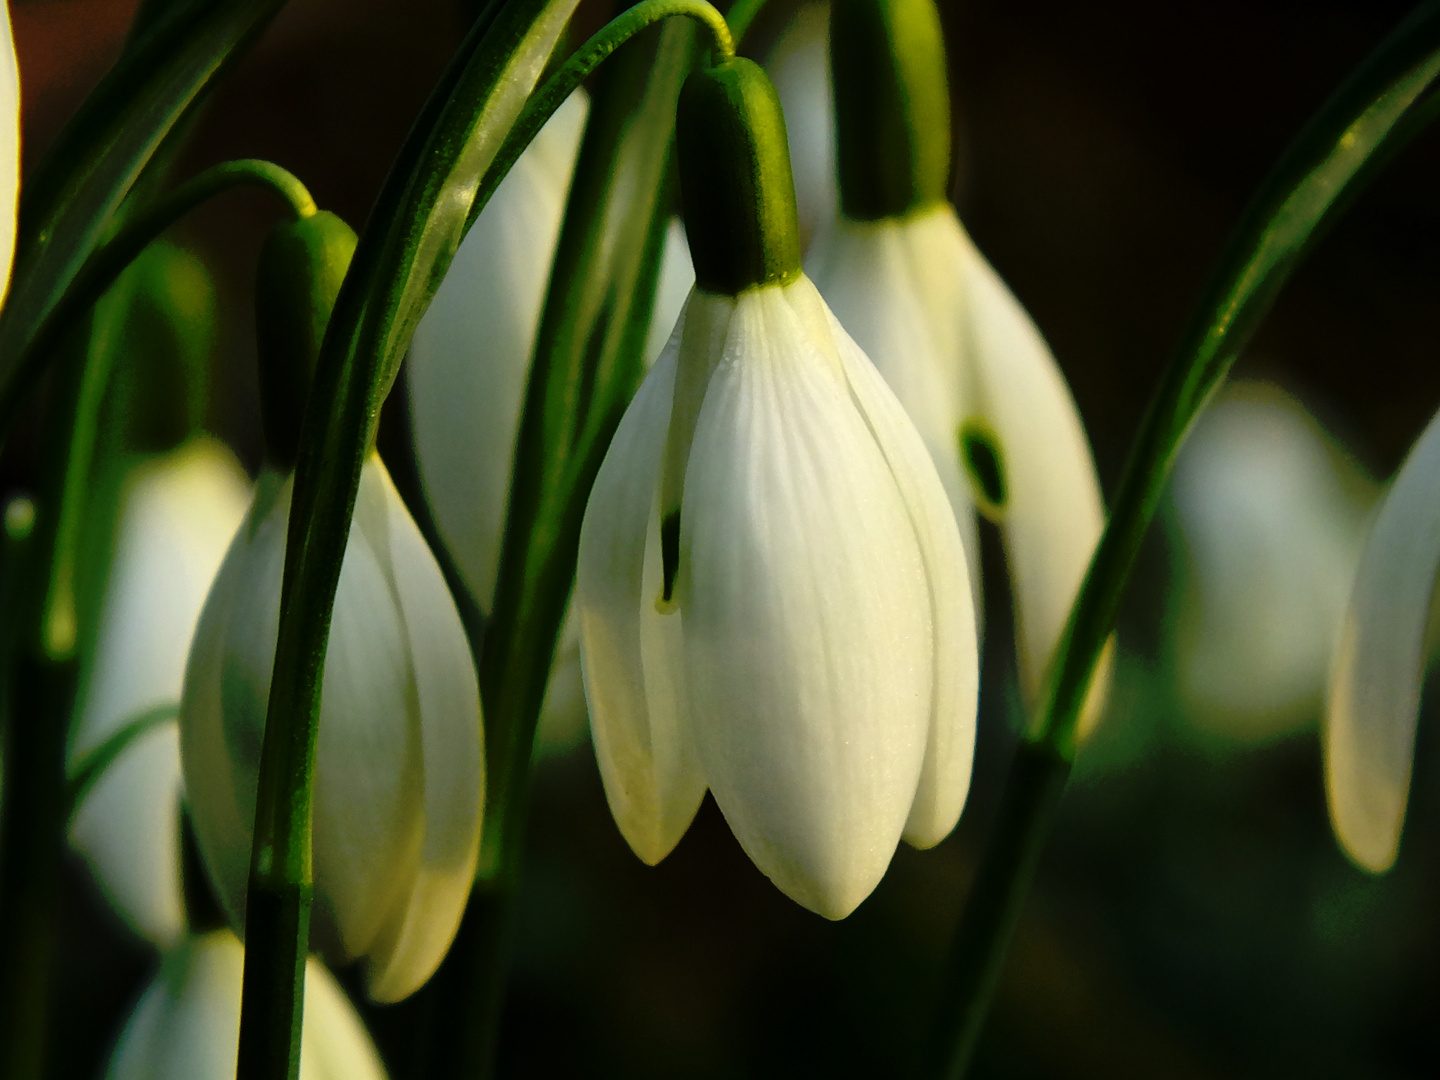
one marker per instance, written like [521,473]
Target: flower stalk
[1385,102]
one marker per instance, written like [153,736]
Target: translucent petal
[1379,662]
[629,650]
[128,829]
[891,285]
[799,65]
[179,514]
[1271,517]
[677,278]
[471,351]
[1054,514]
[950,744]
[454,768]
[187,1024]
[9,147]
[807,613]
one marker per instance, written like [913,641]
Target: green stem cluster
[1388,99]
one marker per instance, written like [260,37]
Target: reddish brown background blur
[1193,917]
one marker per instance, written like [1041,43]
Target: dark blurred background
[1193,916]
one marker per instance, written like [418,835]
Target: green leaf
[68,204]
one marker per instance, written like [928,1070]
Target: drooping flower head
[399,773]
[961,354]
[772,592]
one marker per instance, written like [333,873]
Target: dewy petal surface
[950,744]
[1379,663]
[448,699]
[187,1024]
[808,637]
[471,352]
[1054,513]
[630,652]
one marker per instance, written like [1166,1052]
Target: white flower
[9,147]
[973,371]
[179,512]
[799,65]
[1379,663]
[773,603]
[1269,517]
[399,780]
[187,1024]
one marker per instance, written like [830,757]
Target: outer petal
[1054,514]
[892,286]
[187,1024]
[180,513]
[9,148]
[807,613]
[950,744]
[471,351]
[677,278]
[799,65]
[1271,517]
[128,829]
[1379,663]
[454,765]
[630,652]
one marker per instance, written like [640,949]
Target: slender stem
[1387,101]
[110,260]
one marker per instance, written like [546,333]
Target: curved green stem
[110,260]
[552,94]
[1388,99]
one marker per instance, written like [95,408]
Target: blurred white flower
[1270,516]
[9,148]
[773,603]
[179,512]
[1379,662]
[187,1024]
[399,772]
[799,66]
[975,375]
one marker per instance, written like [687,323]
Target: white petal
[227,679]
[180,512]
[1271,518]
[799,65]
[807,613]
[564,722]
[950,745]
[471,352]
[369,771]
[630,651]
[9,147]
[892,286]
[187,1024]
[1379,662]
[454,766]
[1054,514]
[677,278]
[128,829]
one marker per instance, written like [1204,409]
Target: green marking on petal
[669,557]
[984,461]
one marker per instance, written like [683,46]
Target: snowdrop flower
[961,354]
[799,65]
[469,363]
[180,511]
[1379,663]
[187,1024]
[772,592]
[1269,517]
[399,770]
[9,147]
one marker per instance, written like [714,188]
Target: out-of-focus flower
[9,148]
[1269,516]
[1379,663]
[799,64]
[961,354]
[399,773]
[772,593]
[187,1024]
[180,511]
